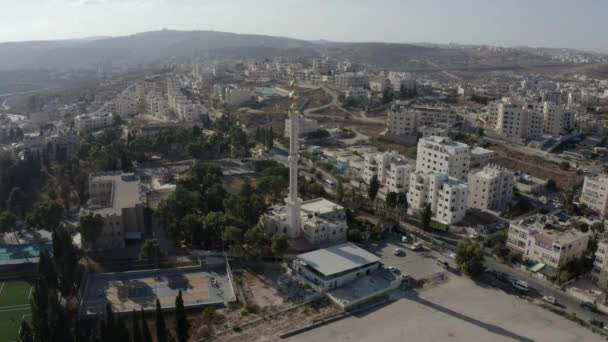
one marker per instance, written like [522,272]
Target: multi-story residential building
[118,198]
[480,157]
[490,188]
[236,96]
[599,273]
[443,155]
[360,94]
[127,105]
[541,241]
[400,80]
[426,131]
[391,168]
[446,196]
[595,194]
[404,120]
[351,80]
[92,122]
[557,119]
[157,105]
[305,126]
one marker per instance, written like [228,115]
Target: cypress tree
[136,328]
[25,332]
[146,336]
[39,303]
[161,325]
[181,321]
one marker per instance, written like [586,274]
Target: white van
[329,183]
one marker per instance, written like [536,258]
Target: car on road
[521,285]
[393,269]
[550,300]
[453,256]
[597,323]
[404,239]
[589,306]
[398,252]
[416,246]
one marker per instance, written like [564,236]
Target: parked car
[392,269]
[416,246]
[453,256]
[550,299]
[404,239]
[521,285]
[589,306]
[398,252]
[596,323]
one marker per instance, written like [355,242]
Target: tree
[469,257]
[551,185]
[46,215]
[17,202]
[181,321]
[402,201]
[279,244]
[580,225]
[136,327]
[339,191]
[8,222]
[427,215]
[150,250]
[597,227]
[39,302]
[146,336]
[391,199]
[374,186]
[66,258]
[25,332]
[91,226]
[479,132]
[161,326]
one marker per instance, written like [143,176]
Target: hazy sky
[554,23]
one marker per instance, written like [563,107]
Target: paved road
[542,288]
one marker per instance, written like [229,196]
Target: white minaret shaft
[292,201]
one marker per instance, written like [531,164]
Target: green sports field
[14,306]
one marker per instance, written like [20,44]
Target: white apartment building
[305,126]
[443,155]
[391,168]
[118,198]
[400,79]
[517,120]
[490,188]
[92,122]
[157,105]
[480,157]
[557,119]
[595,194]
[349,80]
[447,196]
[599,273]
[541,241]
[404,120]
[126,105]
[426,131]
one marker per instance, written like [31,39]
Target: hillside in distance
[157,47]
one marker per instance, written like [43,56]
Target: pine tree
[181,321]
[146,336]
[25,332]
[136,327]
[39,303]
[161,325]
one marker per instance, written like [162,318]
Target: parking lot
[417,264]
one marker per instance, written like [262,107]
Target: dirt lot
[535,166]
[262,313]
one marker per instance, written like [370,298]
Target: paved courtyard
[458,310]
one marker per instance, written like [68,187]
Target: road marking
[1,287]
[30,295]
[17,309]
[12,306]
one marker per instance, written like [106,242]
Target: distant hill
[161,46]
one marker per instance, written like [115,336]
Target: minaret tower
[293,202]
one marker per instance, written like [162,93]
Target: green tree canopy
[469,257]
